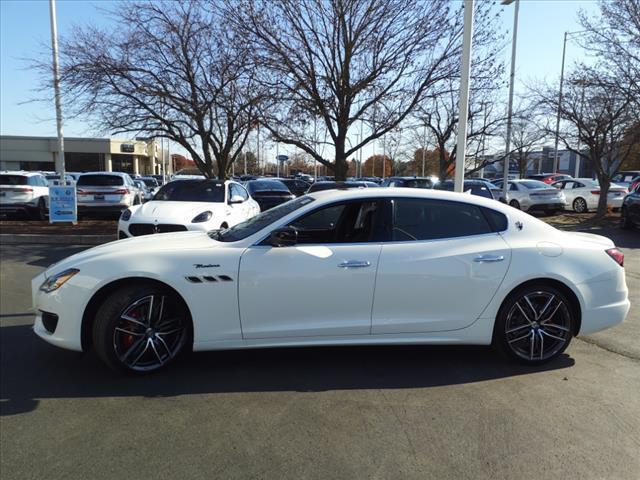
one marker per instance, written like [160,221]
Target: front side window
[351,222]
[421,219]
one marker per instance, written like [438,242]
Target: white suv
[109,192]
[24,192]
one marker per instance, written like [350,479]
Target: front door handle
[488,258]
[354,264]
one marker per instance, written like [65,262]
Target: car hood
[144,245]
[183,212]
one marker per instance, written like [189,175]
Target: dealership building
[139,156]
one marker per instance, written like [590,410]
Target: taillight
[595,192]
[617,256]
[122,191]
[81,192]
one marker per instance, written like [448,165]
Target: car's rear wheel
[580,205]
[40,212]
[624,219]
[141,328]
[515,204]
[535,324]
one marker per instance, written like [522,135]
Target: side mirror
[284,237]
[236,199]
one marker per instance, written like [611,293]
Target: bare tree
[526,136]
[600,117]
[614,37]
[340,61]
[166,69]
[486,116]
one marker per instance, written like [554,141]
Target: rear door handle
[354,264]
[488,258]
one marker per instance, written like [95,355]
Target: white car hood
[179,212]
[143,245]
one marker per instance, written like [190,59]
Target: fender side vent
[225,278]
[194,279]
[210,279]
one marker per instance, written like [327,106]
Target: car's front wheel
[515,204]
[535,324]
[625,222]
[141,328]
[580,205]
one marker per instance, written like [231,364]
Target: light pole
[512,76]
[424,147]
[463,106]
[56,88]
[564,51]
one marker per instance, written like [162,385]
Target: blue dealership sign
[63,204]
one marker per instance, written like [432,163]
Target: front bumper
[67,333]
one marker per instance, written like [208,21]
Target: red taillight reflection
[122,191]
[617,256]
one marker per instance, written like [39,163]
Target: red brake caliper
[127,339]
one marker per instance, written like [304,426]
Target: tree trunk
[340,166]
[605,183]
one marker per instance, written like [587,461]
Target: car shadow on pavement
[31,370]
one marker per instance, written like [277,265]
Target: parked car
[333,185]
[106,192]
[549,178]
[268,192]
[24,192]
[295,186]
[152,185]
[389,260]
[634,183]
[583,194]
[630,213]
[475,187]
[530,195]
[408,182]
[54,178]
[183,205]
[625,178]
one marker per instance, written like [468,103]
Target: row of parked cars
[191,202]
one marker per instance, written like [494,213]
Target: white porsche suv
[190,204]
[24,192]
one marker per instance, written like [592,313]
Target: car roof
[20,172]
[119,174]
[397,192]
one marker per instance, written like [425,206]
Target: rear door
[442,267]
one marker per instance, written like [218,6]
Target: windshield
[100,180]
[260,221]
[262,185]
[533,184]
[150,182]
[418,183]
[192,191]
[13,180]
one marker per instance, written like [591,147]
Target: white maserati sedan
[193,204]
[352,267]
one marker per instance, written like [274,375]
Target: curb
[20,238]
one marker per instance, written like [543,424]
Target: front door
[441,268]
[323,285]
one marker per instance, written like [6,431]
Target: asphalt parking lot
[393,412]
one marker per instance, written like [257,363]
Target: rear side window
[13,180]
[100,181]
[419,219]
[497,220]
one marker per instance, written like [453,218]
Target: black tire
[515,204]
[513,333]
[126,341]
[624,220]
[580,205]
[40,212]
[136,201]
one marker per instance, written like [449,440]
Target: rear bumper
[17,207]
[108,208]
[555,205]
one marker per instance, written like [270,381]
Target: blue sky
[24,26]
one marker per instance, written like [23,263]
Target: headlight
[203,217]
[56,281]
[126,215]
